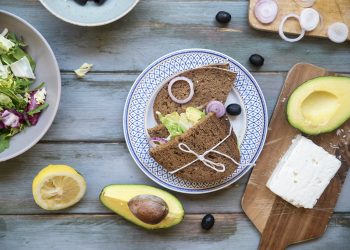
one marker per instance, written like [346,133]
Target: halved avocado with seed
[145,206]
[320,105]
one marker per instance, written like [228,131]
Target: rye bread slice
[217,65]
[201,137]
[158,131]
[210,83]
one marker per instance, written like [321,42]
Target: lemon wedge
[58,187]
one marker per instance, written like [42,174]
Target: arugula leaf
[38,109]
[5,101]
[14,131]
[41,85]
[18,53]
[4,142]
[8,58]
[17,99]
[22,85]
[13,38]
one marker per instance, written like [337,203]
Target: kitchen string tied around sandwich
[218,167]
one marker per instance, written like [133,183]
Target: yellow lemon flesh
[58,187]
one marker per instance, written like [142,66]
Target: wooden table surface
[87,132]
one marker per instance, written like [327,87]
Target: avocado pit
[149,209]
[319,107]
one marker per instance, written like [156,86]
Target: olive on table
[81,2]
[256,60]
[223,17]
[100,2]
[234,109]
[208,221]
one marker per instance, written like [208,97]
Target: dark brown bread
[158,131]
[218,65]
[200,138]
[209,84]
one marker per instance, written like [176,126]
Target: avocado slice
[320,105]
[121,199]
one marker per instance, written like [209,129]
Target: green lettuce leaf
[4,142]
[177,124]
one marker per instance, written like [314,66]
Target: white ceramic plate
[90,14]
[250,127]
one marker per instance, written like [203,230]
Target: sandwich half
[212,82]
[205,134]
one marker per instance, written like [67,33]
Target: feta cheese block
[303,173]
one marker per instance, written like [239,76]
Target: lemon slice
[58,187]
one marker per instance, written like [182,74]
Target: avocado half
[320,105]
[117,197]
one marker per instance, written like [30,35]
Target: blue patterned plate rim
[165,183]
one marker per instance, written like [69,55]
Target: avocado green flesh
[320,105]
[116,198]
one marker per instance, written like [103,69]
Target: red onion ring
[159,140]
[281,32]
[266,11]
[190,83]
[216,107]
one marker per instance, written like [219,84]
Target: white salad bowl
[46,71]
[90,14]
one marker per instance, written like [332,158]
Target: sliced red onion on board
[281,32]
[305,3]
[338,32]
[216,107]
[266,11]
[190,83]
[309,19]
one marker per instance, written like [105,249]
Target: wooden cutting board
[280,223]
[330,11]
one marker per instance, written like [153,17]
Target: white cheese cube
[303,173]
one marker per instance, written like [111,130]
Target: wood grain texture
[281,223]
[331,11]
[231,231]
[157,27]
[91,109]
[102,164]
[87,132]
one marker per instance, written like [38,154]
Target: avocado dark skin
[145,206]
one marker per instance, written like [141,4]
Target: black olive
[81,2]
[233,109]
[223,17]
[100,2]
[256,60]
[208,221]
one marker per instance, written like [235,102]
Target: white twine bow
[218,167]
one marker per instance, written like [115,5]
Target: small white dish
[90,14]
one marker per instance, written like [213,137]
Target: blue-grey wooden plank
[155,28]
[91,109]
[233,231]
[103,164]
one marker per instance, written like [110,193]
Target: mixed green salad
[20,106]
